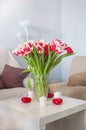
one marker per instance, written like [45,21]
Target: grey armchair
[76,84]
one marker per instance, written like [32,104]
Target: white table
[70,115]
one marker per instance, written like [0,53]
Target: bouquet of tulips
[41,57]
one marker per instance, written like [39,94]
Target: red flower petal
[69,50]
[46,50]
[41,44]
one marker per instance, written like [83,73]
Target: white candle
[57,94]
[31,94]
[43,101]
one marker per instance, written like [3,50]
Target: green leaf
[38,63]
[26,70]
[47,64]
[58,60]
[29,84]
[33,64]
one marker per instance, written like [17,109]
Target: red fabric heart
[57,101]
[50,95]
[26,99]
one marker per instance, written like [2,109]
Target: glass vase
[41,85]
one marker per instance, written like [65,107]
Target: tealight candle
[57,94]
[43,101]
[31,94]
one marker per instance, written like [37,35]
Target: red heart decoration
[50,95]
[57,101]
[26,99]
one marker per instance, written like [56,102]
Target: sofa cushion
[12,77]
[77,79]
[1,84]
[75,92]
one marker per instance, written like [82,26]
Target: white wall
[45,16]
[73,29]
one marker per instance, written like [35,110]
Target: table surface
[47,113]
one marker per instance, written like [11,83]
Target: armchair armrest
[53,87]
